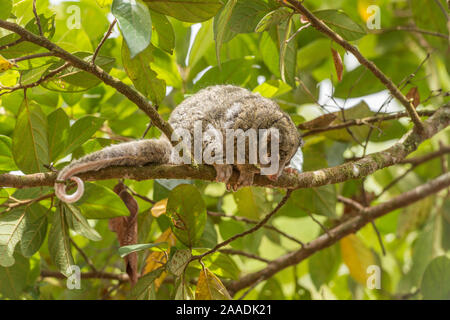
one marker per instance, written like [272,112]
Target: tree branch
[362,122]
[347,171]
[350,226]
[322,27]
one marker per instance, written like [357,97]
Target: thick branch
[350,170]
[350,226]
[322,27]
[133,95]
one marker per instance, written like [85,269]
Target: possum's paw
[245,180]
[224,172]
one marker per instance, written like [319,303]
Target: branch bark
[350,226]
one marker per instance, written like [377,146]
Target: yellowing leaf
[357,257]
[5,64]
[209,287]
[159,208]
[362,8]
[156,258]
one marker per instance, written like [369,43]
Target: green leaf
[361,110]
[164,37]
[13,279]
[247,14]
[126,250]
[135,23]
[222,32]
[367,83]
[11,230]
[186,10]
[445,222]
[178,261]
[30,145]
[313,54]
[73,79]
[58,129]
[288,53]
[271,290]
[429,16]
[321,200]
[142,75]
[100,202]
[34,230]
[251,202]
[323,265]
[6,158]
[219,263]
[274,17]
[26,48]
[32,75]
[436,280]
[6,6]
[341,24]
[59,243]
[78,223]
[231,72]
[80,132]
[188,212]
[142,289]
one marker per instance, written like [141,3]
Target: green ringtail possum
[222,107]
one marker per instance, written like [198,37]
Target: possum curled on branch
[222,107]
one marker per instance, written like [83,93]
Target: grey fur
[223,107]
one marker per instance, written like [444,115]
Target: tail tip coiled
[60,191]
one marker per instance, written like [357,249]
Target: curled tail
[133,153]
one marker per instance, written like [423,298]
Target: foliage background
[74,113]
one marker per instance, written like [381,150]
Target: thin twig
[105,37]
[244,254]
[352,203]
[11,44]
[32,56]
[320,224]
[84,255]
[250,288]
[363,121]
[38,20]
[338,232]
